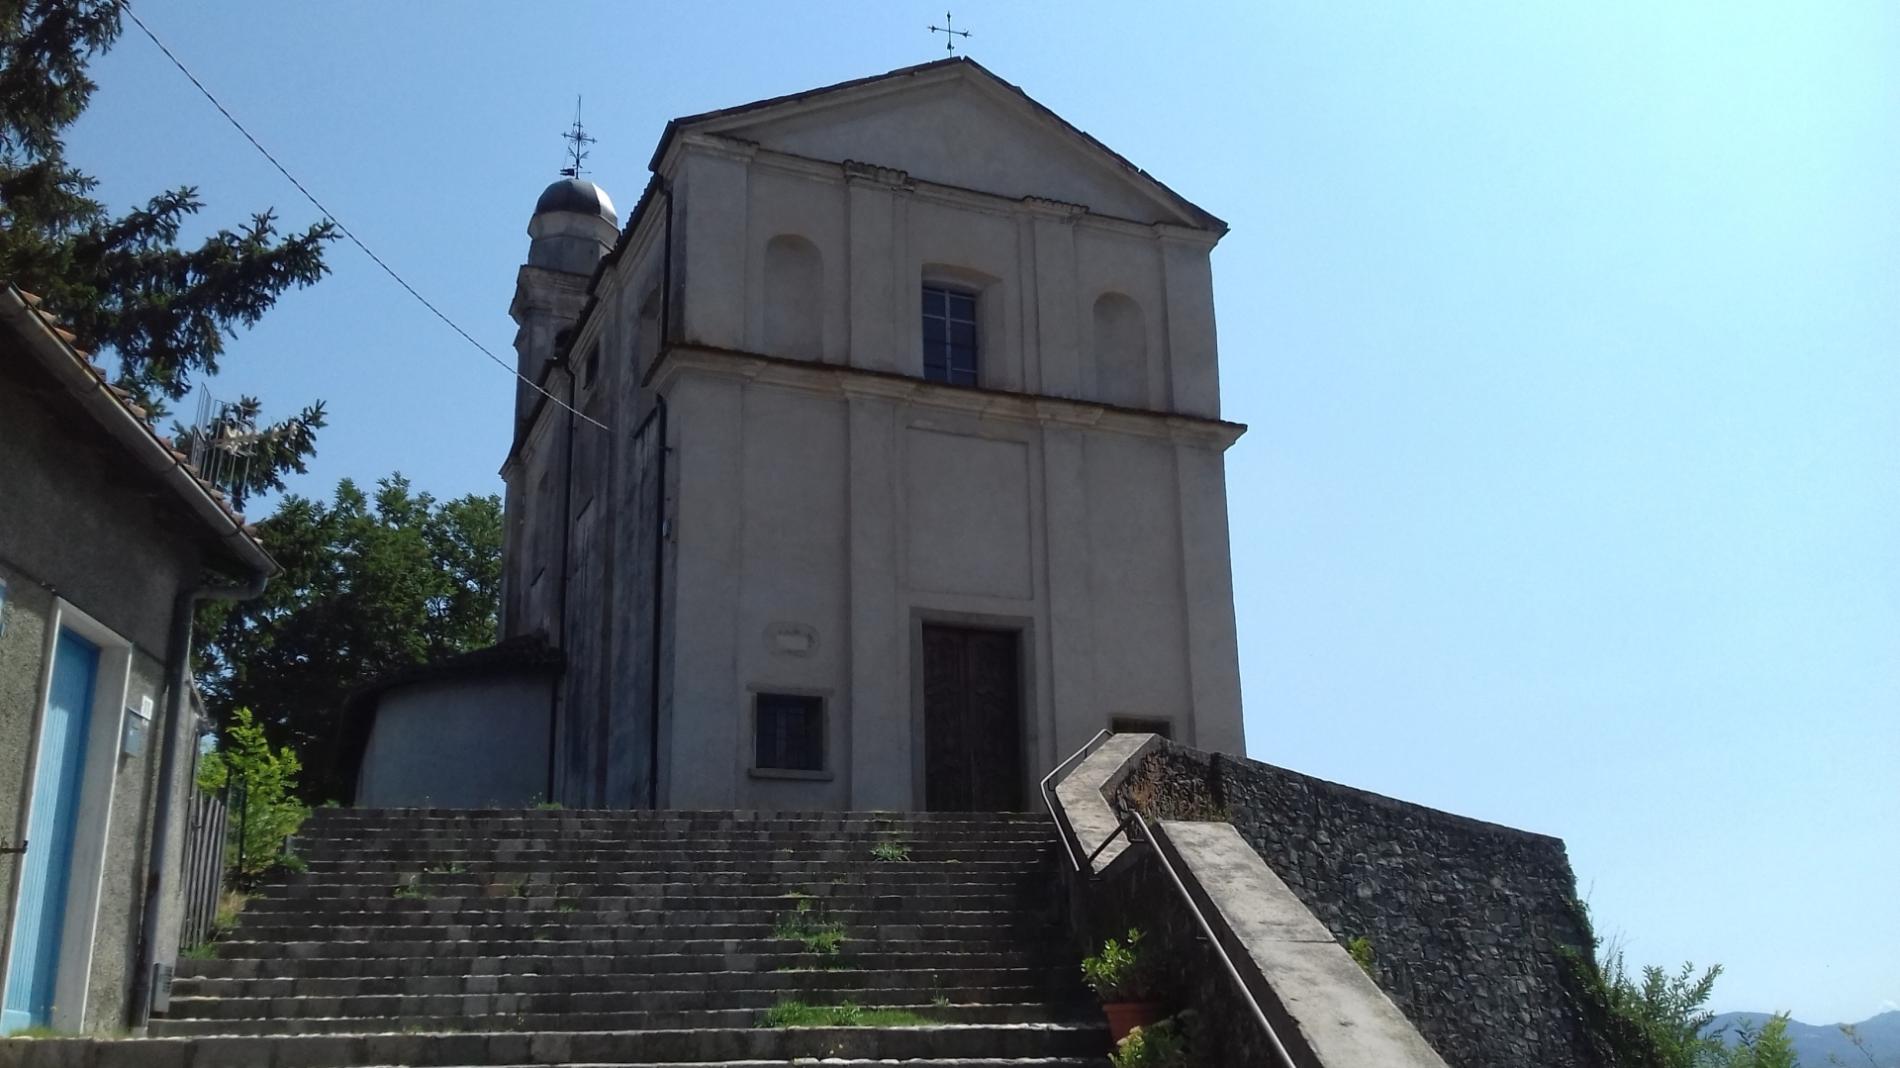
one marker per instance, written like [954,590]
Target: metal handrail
[1063,830]
[1134,819]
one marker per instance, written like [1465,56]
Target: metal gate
[207,817]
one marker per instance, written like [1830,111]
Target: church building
[875,463]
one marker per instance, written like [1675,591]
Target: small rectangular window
[789,732]
[1142,725]
[950,336]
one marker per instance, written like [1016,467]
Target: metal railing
[1136,828]
[1063,830]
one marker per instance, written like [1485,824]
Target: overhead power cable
[331,217]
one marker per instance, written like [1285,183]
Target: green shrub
[269,812]
[1117,972]
[1360,949]
[1160,1045]
[1655,1019]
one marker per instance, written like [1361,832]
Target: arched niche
[794,298]
[1121,351]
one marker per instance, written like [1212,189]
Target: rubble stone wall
[1470,923]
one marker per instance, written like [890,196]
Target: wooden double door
[973,727]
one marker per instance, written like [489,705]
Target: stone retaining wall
[1468,921]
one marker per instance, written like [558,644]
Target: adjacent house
[108,539]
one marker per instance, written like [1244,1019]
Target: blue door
[40,913]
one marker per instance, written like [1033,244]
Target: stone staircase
[437,937]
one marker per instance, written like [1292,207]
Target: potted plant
[1118,977]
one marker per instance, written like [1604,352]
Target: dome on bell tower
[578,196]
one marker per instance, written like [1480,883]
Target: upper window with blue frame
[950,336]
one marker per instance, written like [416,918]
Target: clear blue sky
[1569,336]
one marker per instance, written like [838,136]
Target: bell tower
[574,225]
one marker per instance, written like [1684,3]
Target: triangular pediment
[956,124]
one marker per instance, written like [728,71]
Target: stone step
[1035,857]
[397,845]
[513,835]
[376,923]
[324,824]
[586,964]
[662,900]
[833,1062]
[425,840]
[623,1019]
[395,946]
[810,881]
[388,916]
[679,859]
[979,1042]
[854,1062]
[745,882]
[620,818]
[581,922]
[233,1006]
[624,984]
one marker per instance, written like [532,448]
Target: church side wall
[459,743]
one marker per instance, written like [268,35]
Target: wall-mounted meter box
[138,724]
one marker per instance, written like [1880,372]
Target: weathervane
[577,142]
[949,35]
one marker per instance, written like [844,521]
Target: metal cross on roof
[577,142]
[949,35]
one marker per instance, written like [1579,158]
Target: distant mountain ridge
[1814,1044]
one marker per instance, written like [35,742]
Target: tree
[1661,1020]
[267,778]
[122,284]
[1657,1020]
[1769,1047]
[369,587]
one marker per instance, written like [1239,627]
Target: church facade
[875,463]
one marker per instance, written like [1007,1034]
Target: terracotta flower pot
[1125,1016]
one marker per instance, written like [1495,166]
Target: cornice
[856,382]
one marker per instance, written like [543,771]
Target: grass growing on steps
[808,924]
[799,1014]
[223,922]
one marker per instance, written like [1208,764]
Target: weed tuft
[807,923]
[848,1014]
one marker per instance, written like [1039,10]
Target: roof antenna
[577,142]
[949,35]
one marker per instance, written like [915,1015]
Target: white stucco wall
[855,519]
[467,743]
